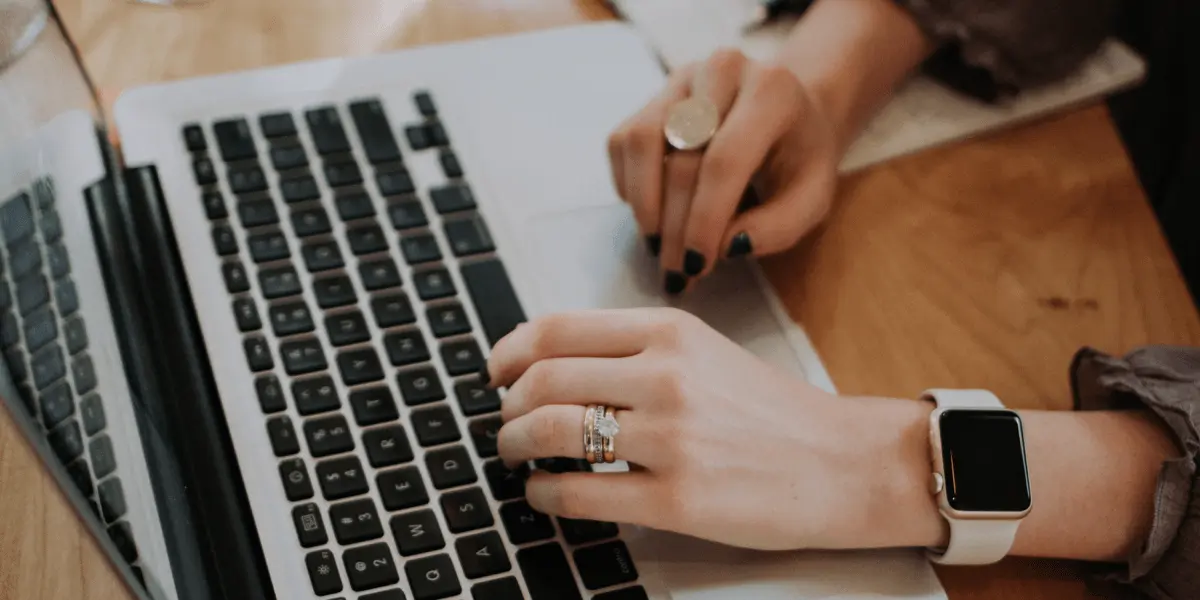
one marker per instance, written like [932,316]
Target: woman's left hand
[721,445]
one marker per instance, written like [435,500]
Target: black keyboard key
[420,248]
[40,328]
[296,484]
[505,484]
[112,500]
[303,356]
[334,291]
[327,132]
[83,373]
[310,528]
[82,476]
[315,395]
[247,179]
[269,246]
[275,125]
[323,573]
[450,467]
[420,386]
[417,532]
[193,137]
[469,236]
[283,436]
[341,174]
[65,297]
[407,214]
[450,165]
[91,412]
[496,303]
[547,574]
[67,441]
[425,104]
[214,205]
[299,189]
[48,366]
[366,239]
[381,273]
[355,521]
[354,205]
[387,446]
[10,331]
[58,261]
[234,139]
[524,524]
[203,171]
[402,488]
[370,567]
[347,328]
[33,293]
[435,426]
[437,134]
[506,588]
[246,313]
[375,131]
[448,319]
[605,565]
[16,218]
[122,538]
[258,355]
[311,221]
[582,531]
[341,478]
[562,465]
[462,357]
[51,225]
[75,334]
[15,360]
[452,198]
[418,137]
[104,460]
[328,435]
[482,554]
[395,183]
[278,282]
[322,256]
[291,318]
[432,578]
[373,405]
[235,277]
[405,347]
[270,395]
[256,213]
[57,404]
[392,594]
[360,366]
[288,157]
[466,510]
[636,592]
[224,240]
[484,433]
[392,310]
[24,257]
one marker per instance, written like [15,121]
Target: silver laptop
[247,343]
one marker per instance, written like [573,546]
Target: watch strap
[975,542]
[963,398]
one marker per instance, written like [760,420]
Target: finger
[557,431]
[616,160]
[575,380]
[762,112]
[643,150]
[682,169]
[612,497]
[597,333]
[780,222]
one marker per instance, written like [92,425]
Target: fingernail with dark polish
[654,243]
[693,263]
[674,283]
[740,246]
[484,376]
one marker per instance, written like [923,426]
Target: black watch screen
[983,456]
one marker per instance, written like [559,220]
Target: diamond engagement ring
[600,427]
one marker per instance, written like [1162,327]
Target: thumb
[780,221]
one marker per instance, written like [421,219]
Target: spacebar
[495,301]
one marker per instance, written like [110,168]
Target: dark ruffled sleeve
[1165,380]
[1013,44]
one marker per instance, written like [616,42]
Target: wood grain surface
[988,263]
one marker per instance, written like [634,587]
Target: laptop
[242,322]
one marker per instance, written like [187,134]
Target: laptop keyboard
[46,349]
[418,505]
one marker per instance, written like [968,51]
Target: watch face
[983,456]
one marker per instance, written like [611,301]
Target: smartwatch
[980,475]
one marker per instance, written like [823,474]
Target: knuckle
[545,334]
[718,160]
[543,429]
[727,59]
[539,382]
[643,137]
[776,80]
[570,501]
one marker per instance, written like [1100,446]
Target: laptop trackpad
[595,258]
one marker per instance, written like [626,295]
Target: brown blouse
[1022,43]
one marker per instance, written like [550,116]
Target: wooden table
[985,264]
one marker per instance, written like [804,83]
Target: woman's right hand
[773,134]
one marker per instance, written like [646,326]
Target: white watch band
[972,541]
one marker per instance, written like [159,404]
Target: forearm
[851,55]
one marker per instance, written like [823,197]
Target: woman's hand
[721,445]
[772,133]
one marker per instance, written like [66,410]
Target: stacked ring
[600,428]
